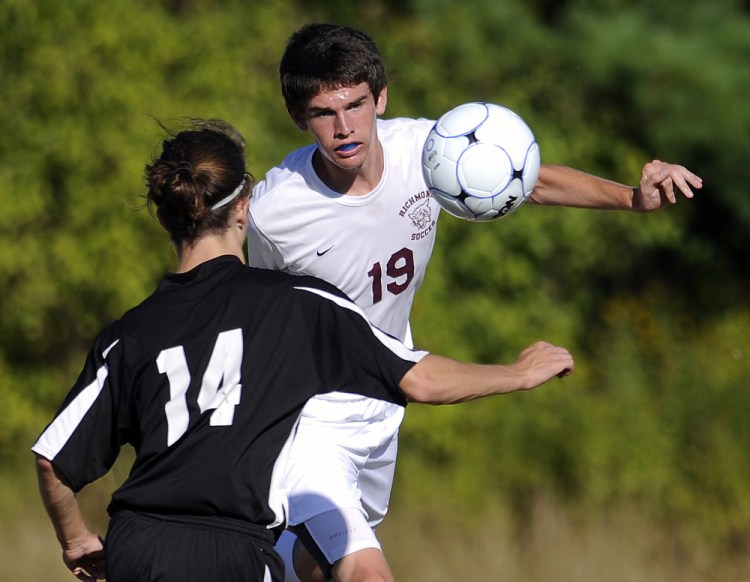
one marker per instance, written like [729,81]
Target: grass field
[555,547]
[424,546]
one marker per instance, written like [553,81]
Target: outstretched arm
[658,187]
[439,380]
[83,551]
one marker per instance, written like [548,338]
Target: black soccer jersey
[206,379]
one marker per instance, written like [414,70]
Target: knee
[368,565]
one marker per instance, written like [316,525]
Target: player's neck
[358,181]
[205,249]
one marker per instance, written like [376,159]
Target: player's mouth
[348,150]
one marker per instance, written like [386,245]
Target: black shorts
[140,547]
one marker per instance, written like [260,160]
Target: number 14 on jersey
[220,389]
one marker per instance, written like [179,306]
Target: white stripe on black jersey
[395,345]
[211,371]
[65,423]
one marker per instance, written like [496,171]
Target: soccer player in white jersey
[206,379]
[352,208]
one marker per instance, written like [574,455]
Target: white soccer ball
[480,161]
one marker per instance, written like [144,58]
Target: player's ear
[382,101]
[242,210]
[299,119]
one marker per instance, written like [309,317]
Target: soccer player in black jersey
[206,379]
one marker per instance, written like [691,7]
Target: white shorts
[328,537]
[343,458]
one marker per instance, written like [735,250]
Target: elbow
[426,393]
[44,466]
[48,473]
[422,387]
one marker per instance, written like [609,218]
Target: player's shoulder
[397,128]
[217,275]
[305,291]
[291,170]
[223,281]
[318,286]
[282,282]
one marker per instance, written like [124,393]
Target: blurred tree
[654,307]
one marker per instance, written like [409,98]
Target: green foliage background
[655,307]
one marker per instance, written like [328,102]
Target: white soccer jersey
[375,248]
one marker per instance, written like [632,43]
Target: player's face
[342,123]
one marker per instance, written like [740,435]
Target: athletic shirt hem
[207,522]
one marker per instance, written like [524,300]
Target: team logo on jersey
[417,208]
[420,216]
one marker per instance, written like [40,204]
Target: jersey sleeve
[261,250]
[83,440]
[353,355]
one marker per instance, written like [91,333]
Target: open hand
[659,183]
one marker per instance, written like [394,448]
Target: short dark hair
[198,167]
[321,57]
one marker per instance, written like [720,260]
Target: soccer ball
[480,161]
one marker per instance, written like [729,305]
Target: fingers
[566,364]
[667,190]
[89,568]
[684,179]
[658,175]
[89,574]
[544,361]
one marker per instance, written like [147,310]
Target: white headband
[232,196]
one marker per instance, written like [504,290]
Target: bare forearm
[563,186]
[83,551]
[440,380]
[658,187]
[61,505]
